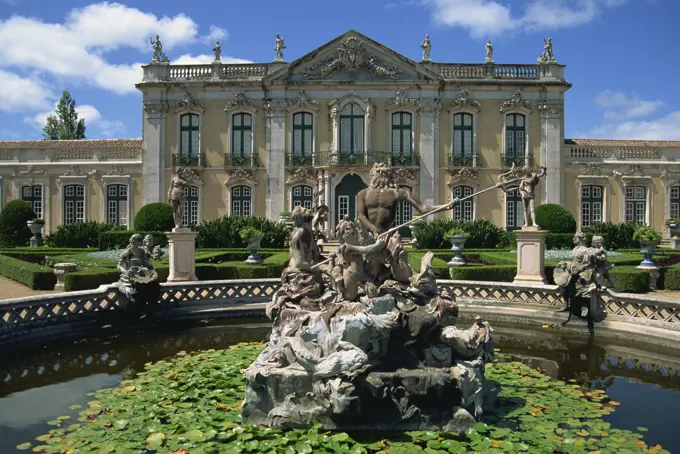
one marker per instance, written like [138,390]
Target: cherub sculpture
[153,252]
[138,279]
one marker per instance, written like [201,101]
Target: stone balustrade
[462,71]
[581,153]
[215,71]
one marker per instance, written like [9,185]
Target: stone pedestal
[60,269]
[530,256]
[182,247]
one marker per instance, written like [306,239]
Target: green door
[346,197]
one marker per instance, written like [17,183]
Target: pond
[40,384]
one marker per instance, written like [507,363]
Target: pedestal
[530,256]
[181,255]
[60,269]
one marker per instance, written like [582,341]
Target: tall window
[74,203]
[191,197]
[591,205]
[514,209]
[117,204]
[404,213]
[189,135]
[302,196]
[351,129]
[515,133]
[302,134]
[636,204]
[241,201]
[462,139]
[33,195]
[463,211]
[241,137]
[674,202]
[401,134]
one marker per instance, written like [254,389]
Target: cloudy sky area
[621,55]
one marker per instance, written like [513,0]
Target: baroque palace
[262,138]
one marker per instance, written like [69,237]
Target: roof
[70,144]
[624,143]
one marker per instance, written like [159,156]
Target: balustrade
[241,71]
[190,72]
[582,153]
[492,71]
[194,160]
[463,160]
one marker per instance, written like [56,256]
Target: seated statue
[153,252]
[138,279]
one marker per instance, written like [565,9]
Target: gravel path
[12,289]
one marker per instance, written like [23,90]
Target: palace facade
[262,138]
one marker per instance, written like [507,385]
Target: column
[429,145]
[153,163]
[552,139]
[276,158]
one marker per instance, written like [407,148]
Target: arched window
[636,205]
[241,135]
[191,198]
[33,195]
[464,210]
[591,205]
[74,203]
[302,134]
[402,146]
[673,203]
[117,204]
[514,210]
[302,196]
[189,135]
[515,133]
[241,201]
[352,130]
[462,140]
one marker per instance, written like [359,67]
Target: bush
[92,278]
[647,235]
[616,236]
[79,234]
[483,234]
[496,273]
[565,240]
[630,279]
[224,232]
[155,217]
[672,278]
[555,218]
[120,239]
[13,219]
[36,277]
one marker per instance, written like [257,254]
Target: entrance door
[346,197]
[404,214]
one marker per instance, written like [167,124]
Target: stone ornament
[156,108]
[176,196]
[301,175]
[489,52]
[351,56]
[73,171]
[138,278]
[158,54]
[400,100]
[427,48]
[516,102]
[593,169]
[403,174]
[116,170]
[188,103]
[32,170]
[241,175]
[303,101]
[549,111]
[464,102]
[240,101]
[273,108]
[547,55]
[278,48]
[218,51]
[462,175]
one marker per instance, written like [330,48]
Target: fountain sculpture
[138,279]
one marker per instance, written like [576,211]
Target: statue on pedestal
[278,48]
[176,196]
[547,55]
[217,50]
[158,55]
[527,189]
[138,279]
[427,48]
[489,52]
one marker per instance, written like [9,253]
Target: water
[41,383]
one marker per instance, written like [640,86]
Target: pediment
[352,56]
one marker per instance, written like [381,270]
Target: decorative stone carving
[158,54]
[427,48]
[116,170]
[516,102]
[218,51]
[32,170]
[593,169]
[547,55]
[138,279]
[400,100]
[303,101]
[464,102]
[463,175]
[241,175]
[188,103]
[403,174]
[301,175]
[382,71]
[73,171]
[273,108]
[489,52]
[351,56]
[549,111]
[240,101]
[278,48]
[634,170]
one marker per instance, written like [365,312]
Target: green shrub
[629,279]
[120,239]
[616,236]
[555,218]
[495,273]
[672,278]
[224,232]
[79,234]
[92,278]
[155,217]
[564,240]
[250,232]
[647,235]
[13,219]
[36,277]
[483,234]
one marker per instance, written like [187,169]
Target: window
[343,206]
[241,202]
[302,134]
[191,197]
[351,129]
[74,203]
[189,135]
[117,204]
[591,205]
[401,134]
[514,209]
[404,212]
[674,203]
[636,205]
[462,138]
[241,137]
[302,196]
[514,136]
[463,211]
[33,195]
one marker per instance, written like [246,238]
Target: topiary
[13,219]
[555,218]
[155,217]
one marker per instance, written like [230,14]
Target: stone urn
[457,246]
[415,231]
[648,250]
[36,227]
[674,231]
[60,269]
[253,247]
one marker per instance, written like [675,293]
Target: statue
[176,196]
[489,52]
[152,253]
[278,48]
[427,48]
[547,55]
[218,51]
[158,55]
[138,279]
[527,187]
[320,216]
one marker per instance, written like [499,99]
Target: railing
[195,160]
[492,71]
[507,160]
[404,160]
[301,160]
[581,153]
[93,154]
[366,158]
[463,160]
[190,72]
[233,160]
[243,71]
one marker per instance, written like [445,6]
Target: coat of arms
[351,55]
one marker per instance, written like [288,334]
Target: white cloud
[22,93]
[215,34]
[205,59]
[663,128]
[619,106]
[93,119]
[488,18]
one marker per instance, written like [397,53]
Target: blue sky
[621,55]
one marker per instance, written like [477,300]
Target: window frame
[238,197]
[518,203]
[517,110]
[74,198]
[590,200]
[464,191]
[241,130]
[352,116]
[402,130]
[635,203]
[118,199]
[31,202]
[191,130]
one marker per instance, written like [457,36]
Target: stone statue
[527,187]
[320,216]
[218,51]
[152,253]
[489,52]
[547,55]
[158,55]
[427,48]
[278,48]
[138,279]
[176,196]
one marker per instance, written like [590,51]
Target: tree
[64,124]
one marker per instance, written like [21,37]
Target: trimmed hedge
[13,219]
[555,218]
[629,279]
[92,278]
[155,217]
[121,239]
[79,234]
[225,232]
[483,234]
[494,273]
[671,279]
[616,236]
[36,277]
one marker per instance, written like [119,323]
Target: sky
[622,56]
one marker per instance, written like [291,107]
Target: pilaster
[153,164]
[429,144]
[276,158]
[552,140]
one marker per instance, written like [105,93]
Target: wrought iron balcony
[194,160]
[519,160]
[404,160]
[233,160]
[463,160]
[302,160]
[356,158]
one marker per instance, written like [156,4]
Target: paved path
[12,289]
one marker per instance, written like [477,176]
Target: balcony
[404,160]
[463,160]
[195,160]
[231,160]
[507,160]
[302,160]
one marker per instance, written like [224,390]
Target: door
[346,196]
[404,214]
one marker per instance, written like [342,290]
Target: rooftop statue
[547,55]
[158,55]
[278,48]
[217,50]
[489,52]
[427,48]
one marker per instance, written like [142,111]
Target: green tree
[64,124]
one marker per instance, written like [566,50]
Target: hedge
[629,279]
[79,234]
[557,240]
[155,217]
[555,218]
[36,277]
[92,278]
[671,279]
[494,273]
[121,239]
